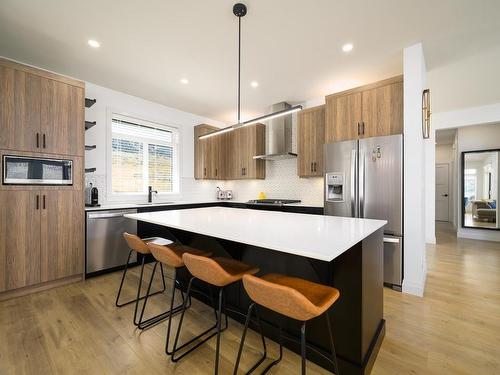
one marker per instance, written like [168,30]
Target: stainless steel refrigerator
[364,178]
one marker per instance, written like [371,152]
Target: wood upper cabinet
[368,111]
[382,111]
[311,138]
[40,111]
[62,118]
[250,141]
[229,155]
[61,233]
[19,239]
[19,110]
[343,114]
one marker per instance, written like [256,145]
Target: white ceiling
[291,47]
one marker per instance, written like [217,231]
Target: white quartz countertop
[313,236]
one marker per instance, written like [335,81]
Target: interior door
[442,192]
[381,181]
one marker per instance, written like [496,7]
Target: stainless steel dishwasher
[105,247]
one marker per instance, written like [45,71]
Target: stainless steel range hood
[279,136]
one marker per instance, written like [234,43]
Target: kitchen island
[346,253]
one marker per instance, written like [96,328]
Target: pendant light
[240,10]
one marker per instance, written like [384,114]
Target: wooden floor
[75,329]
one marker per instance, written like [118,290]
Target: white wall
[469,82]
[108,99]
[415,269]
[472,138]
[281,180]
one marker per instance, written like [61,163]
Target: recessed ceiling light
[184,81]
[347,47]
[94,43]
[254,84]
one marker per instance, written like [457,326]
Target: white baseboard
[478,234]
[414,288]
[431,240]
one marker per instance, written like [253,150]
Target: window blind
[142,155]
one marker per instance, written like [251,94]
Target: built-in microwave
[29,170]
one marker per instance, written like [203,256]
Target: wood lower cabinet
[62,118]
[61,234]
[369,111]
[229,155]
[19,239]
[311,139]
[19,110]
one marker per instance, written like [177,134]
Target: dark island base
[357,317]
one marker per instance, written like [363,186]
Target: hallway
[455,328]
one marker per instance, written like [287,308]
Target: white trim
[415,288]
[177,160]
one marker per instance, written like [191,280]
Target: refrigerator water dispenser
[335,187]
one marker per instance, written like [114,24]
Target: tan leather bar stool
[139,246]
[292,297]
[219,272]
[170,256]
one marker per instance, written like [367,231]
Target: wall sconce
[426,113]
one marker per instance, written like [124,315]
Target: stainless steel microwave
[28,170]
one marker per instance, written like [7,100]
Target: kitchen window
[142,154]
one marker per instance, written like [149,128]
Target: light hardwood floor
[454,329]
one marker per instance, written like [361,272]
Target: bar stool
[139,246]
[170,256]
[292,297]
[219,272]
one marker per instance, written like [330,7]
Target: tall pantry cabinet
[41,226]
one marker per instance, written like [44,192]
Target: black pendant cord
[239,70]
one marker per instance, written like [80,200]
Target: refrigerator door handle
[361,183]
[391,239]
[354,205]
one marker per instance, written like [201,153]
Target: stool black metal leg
[139,291]
[219,322]
[172,299]
[176,349]
[303,346]
[277,360]
[117,303]
[242,343]
[334,355]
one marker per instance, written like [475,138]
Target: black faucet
[150,194]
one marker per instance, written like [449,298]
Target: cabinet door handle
[37,140]
[362,127]
[37,202]
[43,202]
[311,168]
[359,128]
[215,172]
[204,171]
[314,167]
[44,144]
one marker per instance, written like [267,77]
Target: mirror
[480,189]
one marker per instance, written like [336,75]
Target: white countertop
[118,206]
[313,236]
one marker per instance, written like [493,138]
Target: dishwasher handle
[108,215]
